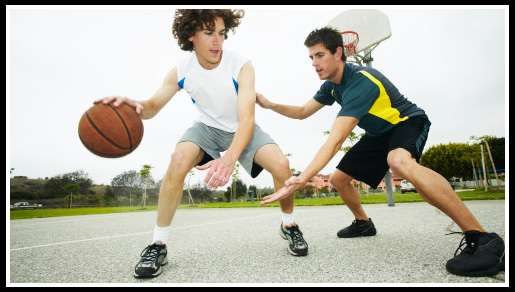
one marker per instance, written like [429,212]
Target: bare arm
[340,130]
[291,111]
[222,168]
[246,112]
[147,109]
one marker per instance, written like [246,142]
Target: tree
[55,186]
[238,188]
[200,192]
[109,196]
[353,137]
[451,160]
[497,148]
[235,177]
[145,175]
[241,189]
[71,189]
[190,198]
[126,183]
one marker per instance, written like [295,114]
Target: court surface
[243,246]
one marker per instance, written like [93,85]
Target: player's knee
[400,161]
[283,166]
[339,180]
[280,168]
[178,161]
[401,166]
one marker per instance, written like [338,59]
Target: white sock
[161,234]
[288,219]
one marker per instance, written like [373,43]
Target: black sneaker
[152,258]
[482,256]
[358,228]
[297,246]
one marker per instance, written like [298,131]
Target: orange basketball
[110,131]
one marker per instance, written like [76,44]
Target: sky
[450,61]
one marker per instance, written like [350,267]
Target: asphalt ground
[242,247]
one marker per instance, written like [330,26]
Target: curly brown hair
[187,21]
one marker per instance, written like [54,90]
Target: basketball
[110,131]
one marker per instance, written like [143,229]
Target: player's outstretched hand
[220,171]
[291,185]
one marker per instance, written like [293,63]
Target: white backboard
[372,26]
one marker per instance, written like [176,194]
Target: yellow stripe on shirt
[382,108]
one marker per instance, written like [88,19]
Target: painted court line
[139,233]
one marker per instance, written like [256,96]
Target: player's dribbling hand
[118,100]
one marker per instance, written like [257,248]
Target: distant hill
[22,184]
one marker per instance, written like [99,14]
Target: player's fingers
[225,181]
[270,199]
[293,180]
[104,100]
[139,108]
[209,177]
[204,166]
[279,195]
[267,200]
[221,181]
[119,100]
[223,173]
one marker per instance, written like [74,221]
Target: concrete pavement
[242,247]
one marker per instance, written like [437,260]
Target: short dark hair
[327,36]
[187,21]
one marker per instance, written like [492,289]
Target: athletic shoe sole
[157,273]
[485,273]
[370,231]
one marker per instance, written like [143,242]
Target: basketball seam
[125,125]
[100,132]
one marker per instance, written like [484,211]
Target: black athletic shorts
[367,160]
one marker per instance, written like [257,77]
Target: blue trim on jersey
[181,83]
[235,85]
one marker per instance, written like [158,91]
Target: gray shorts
[213,141]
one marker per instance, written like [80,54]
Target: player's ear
[339,52]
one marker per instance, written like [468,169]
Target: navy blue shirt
[366,94]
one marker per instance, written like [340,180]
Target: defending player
[396,132]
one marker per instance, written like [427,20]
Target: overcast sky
[450,61]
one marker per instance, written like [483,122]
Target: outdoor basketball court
[243,246]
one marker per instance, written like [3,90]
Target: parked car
[25,206]
[406,186]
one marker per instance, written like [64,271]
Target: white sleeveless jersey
[213,92]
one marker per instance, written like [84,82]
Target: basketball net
[350,41]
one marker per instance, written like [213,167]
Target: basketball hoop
[350,41]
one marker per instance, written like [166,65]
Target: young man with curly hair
[220,83]
[396,132]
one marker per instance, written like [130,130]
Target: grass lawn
[365,199]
